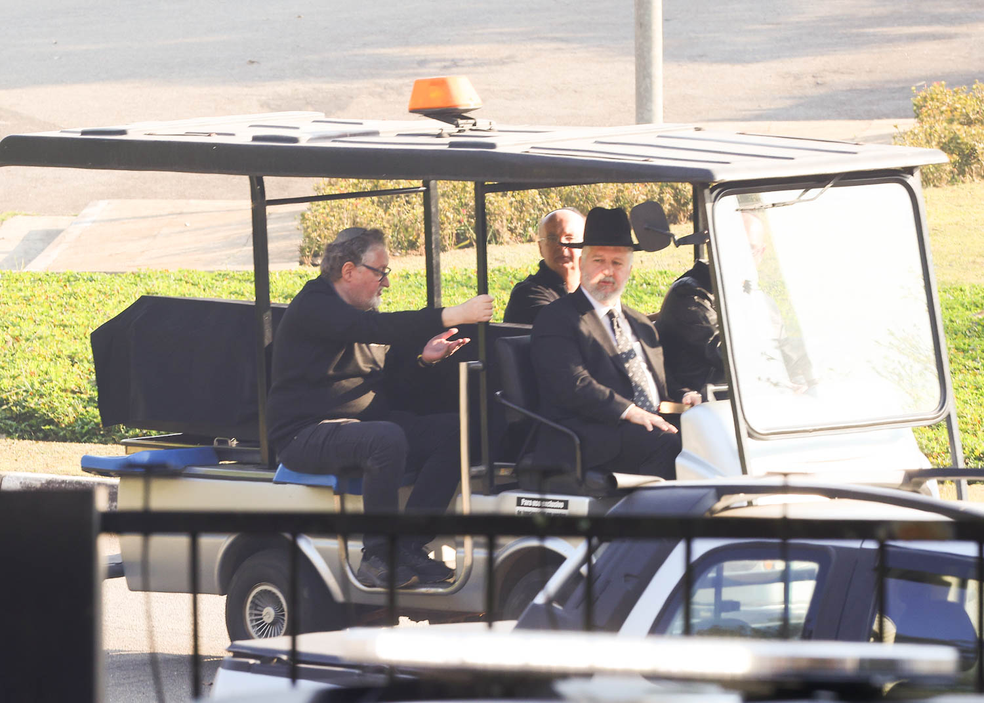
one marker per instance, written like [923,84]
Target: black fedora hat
[606,227]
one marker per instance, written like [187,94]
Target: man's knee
[386,444]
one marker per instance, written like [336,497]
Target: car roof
[819,508]
[311,144]
[792,496]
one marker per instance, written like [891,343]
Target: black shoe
[374,571]
[426,569]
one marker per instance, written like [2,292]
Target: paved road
[136,624]
[561,61]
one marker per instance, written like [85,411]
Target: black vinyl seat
[520,396]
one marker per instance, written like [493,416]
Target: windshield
[827,307]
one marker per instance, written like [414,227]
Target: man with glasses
[558,273]
[328,408]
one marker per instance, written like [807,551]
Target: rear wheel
[257,605]
[524,591]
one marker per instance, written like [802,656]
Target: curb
[105,488]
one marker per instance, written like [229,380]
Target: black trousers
[385,451]
[641,452]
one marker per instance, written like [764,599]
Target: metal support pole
[482,271]
[649,61]
[264,320]
[432,244]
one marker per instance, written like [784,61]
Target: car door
[931,596]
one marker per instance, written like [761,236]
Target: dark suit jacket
[534,293]
[689,328]
[582,383]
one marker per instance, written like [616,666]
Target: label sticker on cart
[532,506]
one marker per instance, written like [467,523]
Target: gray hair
[350,244]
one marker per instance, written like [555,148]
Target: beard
[605,296]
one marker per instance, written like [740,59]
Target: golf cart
[846,271]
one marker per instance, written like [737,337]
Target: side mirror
[650,226]
[653,231]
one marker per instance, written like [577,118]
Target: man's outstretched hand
[440,347]
[477,309]
[638,416]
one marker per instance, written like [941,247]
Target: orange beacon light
[446,98]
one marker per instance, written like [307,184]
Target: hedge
[512,217]
[952,120]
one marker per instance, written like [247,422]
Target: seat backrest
[516,373]
[939,622]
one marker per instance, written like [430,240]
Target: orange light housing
[443,94]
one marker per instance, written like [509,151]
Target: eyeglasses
[383,273]
[554,240]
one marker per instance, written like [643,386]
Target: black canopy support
[432,243]
[482,273]
[264,322]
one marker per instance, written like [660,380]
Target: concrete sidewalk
[128,235]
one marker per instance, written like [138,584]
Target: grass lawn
[956,232]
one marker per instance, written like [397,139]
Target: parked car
[760,589]
[819,589]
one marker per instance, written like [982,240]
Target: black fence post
[196,674]
[688,583]
[52,650]
[882,572]
[293,607]
[490,609]
[980,618]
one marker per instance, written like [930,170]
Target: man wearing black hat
[599,365]
[328,408]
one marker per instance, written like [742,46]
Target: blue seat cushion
[350,485]
[151,461]
[347,483]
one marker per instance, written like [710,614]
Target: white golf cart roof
[302,144]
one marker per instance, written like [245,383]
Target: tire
[257,603]
[524,591]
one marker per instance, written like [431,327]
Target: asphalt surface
[558,62]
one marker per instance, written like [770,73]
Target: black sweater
[328,359]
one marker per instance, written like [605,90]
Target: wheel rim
[265,612]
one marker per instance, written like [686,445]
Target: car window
[744,597]
[930,608]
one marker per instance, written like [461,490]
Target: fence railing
[594,530]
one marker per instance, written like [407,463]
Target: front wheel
[257,605]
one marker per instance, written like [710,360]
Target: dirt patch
[50,457]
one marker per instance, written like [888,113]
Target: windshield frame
[910,182]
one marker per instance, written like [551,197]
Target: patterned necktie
[633,364]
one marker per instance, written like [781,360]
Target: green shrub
[952,120]
[512,217]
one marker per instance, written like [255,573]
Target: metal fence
[48,554]
[594,530]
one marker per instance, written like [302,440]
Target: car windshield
[827,307]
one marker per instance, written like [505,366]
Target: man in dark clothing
[328,410]
[600,366]
[688,327]
[557,274]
